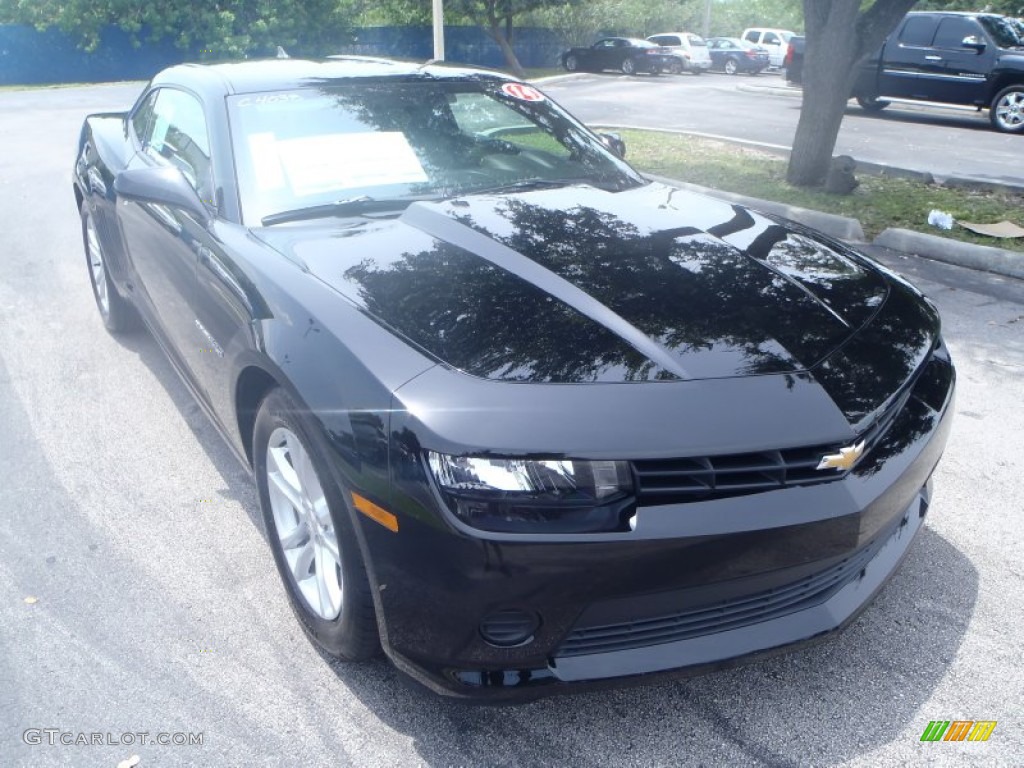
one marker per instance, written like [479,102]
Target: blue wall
[28,56]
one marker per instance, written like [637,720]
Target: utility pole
[707,18]
[438,8]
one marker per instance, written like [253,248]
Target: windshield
[320,145]
[1005,31]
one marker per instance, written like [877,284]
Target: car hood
[583,285]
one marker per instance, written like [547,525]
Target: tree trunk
[839,36]
[498,35]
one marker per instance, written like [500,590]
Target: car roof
[287,74]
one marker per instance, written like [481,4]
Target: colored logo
[522,92]
[958,730]
[843,460]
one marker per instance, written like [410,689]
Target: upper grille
[718,617]
[669,481]
[702,478]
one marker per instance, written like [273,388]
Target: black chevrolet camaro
[522,418]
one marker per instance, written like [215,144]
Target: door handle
[933,58]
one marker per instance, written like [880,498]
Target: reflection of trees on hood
[778,306]
[872,367]
[721,312]
[481,319]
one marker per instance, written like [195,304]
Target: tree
[840,34]
[497,18]
[222,28]
[729,19]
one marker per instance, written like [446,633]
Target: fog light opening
[509,627]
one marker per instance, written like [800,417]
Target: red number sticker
[522,92]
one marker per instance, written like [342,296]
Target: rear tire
[872,103]
[311,533]
[571,64]
[117,314]
[1007,111]
[675,67]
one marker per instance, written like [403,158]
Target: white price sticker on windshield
[335,162]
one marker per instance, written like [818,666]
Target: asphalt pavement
[137,593]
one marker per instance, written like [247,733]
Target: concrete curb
[983,257]
[557,78]
[793,92]
[841,227]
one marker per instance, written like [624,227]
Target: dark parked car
[624,54]
[794,60]
[521,417]
[974,59]
[733,56]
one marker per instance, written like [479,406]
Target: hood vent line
[442,227]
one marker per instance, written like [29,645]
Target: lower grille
[718,617]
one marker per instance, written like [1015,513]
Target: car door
[909,56]
[961,77]
[603,54]
[162,241]
[772,43]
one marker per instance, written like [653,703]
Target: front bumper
[783,567]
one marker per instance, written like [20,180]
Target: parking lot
[139,596]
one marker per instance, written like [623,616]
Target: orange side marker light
[375,513]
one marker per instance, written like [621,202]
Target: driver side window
[172,129]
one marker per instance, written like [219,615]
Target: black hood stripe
[446,229]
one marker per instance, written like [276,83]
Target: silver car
[689,51]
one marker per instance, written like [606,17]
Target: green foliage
[582,24]
[220,28]
[1006,7]
[730,17]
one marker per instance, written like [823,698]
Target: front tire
[1007,111]
[871,103]
[628,67]
[117,314]
[311,534]
[571,64]
[731,67]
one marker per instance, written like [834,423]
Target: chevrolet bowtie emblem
[843,460]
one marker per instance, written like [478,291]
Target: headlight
[535,495]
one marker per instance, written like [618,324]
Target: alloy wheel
[97,270]
[303,524]
[1010,111]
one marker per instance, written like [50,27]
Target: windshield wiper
[353,205]
[523,185]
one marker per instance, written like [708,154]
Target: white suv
[690,52]
[775,41]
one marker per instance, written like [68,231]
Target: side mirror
[161,185]
[973,41]
[614,143]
